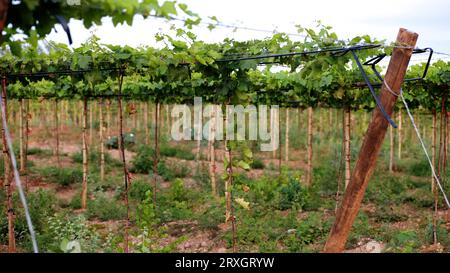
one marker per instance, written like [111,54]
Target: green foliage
[62,176]
[146,215]
[257,164]
[39,151]
[62,228]
[138,190]
[105,209]
[94,158]
[405,241]
[41,204]
[308,231]
[283,192]
[421,168]
[36,19]
[143,161]
[292,194]
[176,204]
[211,216]
[169,151]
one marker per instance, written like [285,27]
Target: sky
[379,18]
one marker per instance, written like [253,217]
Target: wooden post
[433,146]
[371,146]
[84,183]
[22,136]
[347,115]
[55,117]
[102,142]
[8,176]
[399,134]
[309,172]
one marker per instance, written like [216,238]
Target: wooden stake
[85,159]
[391,149]
[22,136]
[102,142]
[8,178]
[309,172]
[146,125]
[212,156]
[433,146]
[347,134]
[399,134]
[55,113]
[371,146]
[286,144]
[156,159]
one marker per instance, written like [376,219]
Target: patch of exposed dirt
[197,240]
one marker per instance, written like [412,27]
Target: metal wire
[17,176]
[438,182]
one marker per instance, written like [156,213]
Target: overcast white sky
[378,18]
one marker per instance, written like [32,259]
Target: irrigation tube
[16,173]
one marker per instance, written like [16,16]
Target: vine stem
[156,159]
[102,142]
[229,211]
[8,177]
[347,140]
[56,120]
[85,159]
[124,163]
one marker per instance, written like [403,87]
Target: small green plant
[177,152]
[292,194]
[62,176]
[105,209]
[94,158]
[212,216]
[257,164]
[143,161]
[39,151]
[70,234]
[405,241]
[138,190]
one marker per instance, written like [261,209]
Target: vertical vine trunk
[124,163]
[155,161]
[433,145]
[26,133]
[212,152]
[399,134]
[309,172]
[85,156]
[279,145]
[108,118]
[391,149]
[286,152]
[229,213]
[272,125]
[167,118]
[347,152]
[91,128]
[8,178]
[22,136]
[56,120]
[102,142]
[146,126]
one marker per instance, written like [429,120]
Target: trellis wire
[438,182]
[17,176]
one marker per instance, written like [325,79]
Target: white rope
[438,182]
[17,176]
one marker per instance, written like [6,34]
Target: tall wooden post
[371,146]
